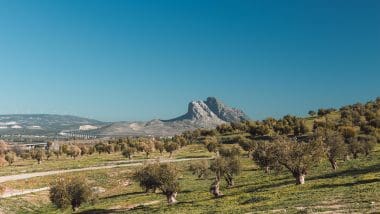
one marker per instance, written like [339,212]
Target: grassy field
[65,162]
[354,187]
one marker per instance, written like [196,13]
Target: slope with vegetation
[333,156]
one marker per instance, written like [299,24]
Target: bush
[38,154]
[199,168]
[70,191]
[128,152]
[74,151]
[160,176]
[171,147]
[158,145]
[10,158]
[2,161]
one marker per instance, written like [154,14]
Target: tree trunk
[300,178]
[171,197]
[267,169]
[155,190]
[39,161]
[333,163]
[200,175]
[214,189]
[230,181]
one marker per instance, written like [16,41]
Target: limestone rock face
[224,112]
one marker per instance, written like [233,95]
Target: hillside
[43,124]
[352,187]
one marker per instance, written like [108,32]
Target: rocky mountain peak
[198,110]
[224,112]
[212,111]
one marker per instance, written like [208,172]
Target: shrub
[246,144]
[10,158]
[70,191]
[199,168]
[128,152]
[171,147]
[74,151]
[158,145]
[38,154]
[162,176]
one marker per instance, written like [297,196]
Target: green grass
[64,162]
[354,187]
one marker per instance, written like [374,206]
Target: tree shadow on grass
[254,200]
[185,191]
[350,184]
[185,202]
[123,195]
[194,156]
[268,186]
[349,172]
[102,211]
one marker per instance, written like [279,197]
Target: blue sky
[138,60]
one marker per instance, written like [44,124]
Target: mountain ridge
[200,114]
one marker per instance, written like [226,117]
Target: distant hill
[200,114]
[44,124]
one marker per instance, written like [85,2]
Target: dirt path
[12,192]
[47,173]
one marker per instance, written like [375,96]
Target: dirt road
[40,174]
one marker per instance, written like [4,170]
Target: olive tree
[128,152]
[199,168]
[2,161]
[298,157]
[211,143]
[246,144]
[147,148]
[38,154]
[227,165]
[265,155]
[158,145]
[70,191]
[109,148]
[363,144]
[160,176]
[3,147]
[10,158]
[74,151]
[170,147]
[335,147]
[182,141]
[100,147]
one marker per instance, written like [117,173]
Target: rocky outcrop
[200,114]
[212,110]
[224,112]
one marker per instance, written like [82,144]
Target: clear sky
[138,60]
